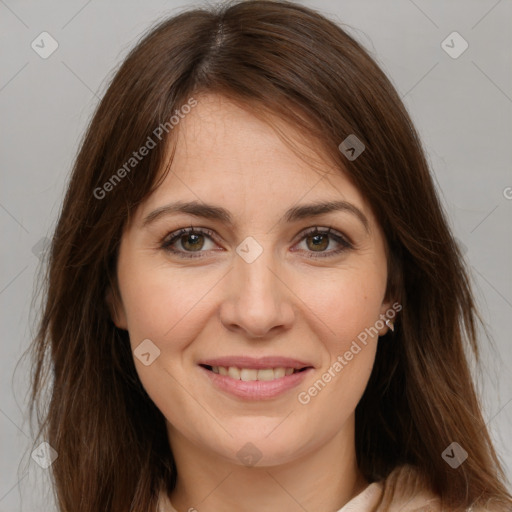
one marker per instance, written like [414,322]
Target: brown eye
[187,241]
[192,242]
[319,242]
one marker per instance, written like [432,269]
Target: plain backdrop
[461,106]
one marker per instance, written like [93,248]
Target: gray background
[462,108]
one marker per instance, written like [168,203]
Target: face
[246,307]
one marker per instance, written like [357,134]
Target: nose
[258,300]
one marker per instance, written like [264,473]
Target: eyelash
[170,239]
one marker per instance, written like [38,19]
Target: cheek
[165,306]
[160,303]
[346,307]
[345,301]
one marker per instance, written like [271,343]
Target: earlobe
[116,309]
[387,316]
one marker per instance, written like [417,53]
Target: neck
[322,479]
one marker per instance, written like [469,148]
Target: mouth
[252,374]
[255,379]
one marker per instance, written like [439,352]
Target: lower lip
[256,389]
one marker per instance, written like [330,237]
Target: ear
[116,309]
[388,312]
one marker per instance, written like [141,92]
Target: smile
[254,379]
[251,374]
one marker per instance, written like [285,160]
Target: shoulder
[406,489]
[164,503]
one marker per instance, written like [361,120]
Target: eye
[318,240]
[190,239]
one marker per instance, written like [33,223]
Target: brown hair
[289,61]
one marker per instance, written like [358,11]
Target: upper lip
[255,362]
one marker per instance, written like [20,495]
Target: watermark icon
[249,250]
[44,455]
[454,45]
[138,156]
[454,455]
[507,193]
[351,147]
[146,352]
[44,45]
[462,246]
[40,248]
[249,455]
[304,397]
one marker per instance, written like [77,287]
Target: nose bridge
[257,281]
[258,298]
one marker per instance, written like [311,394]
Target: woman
[254,300]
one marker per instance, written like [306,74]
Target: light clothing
[404,490]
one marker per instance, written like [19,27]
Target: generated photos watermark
[144,150]
[304,397]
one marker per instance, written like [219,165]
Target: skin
[284,303]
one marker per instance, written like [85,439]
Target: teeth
[246,374]
[234,372]
[264,374]
[280,372]
[250,374]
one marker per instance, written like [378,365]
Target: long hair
[278,59]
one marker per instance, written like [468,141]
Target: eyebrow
[213,212]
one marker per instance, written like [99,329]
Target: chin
[264,447]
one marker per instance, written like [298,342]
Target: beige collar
[404,490]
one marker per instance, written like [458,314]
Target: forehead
[225,154]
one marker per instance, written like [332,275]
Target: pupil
[319,241]
[194,239]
